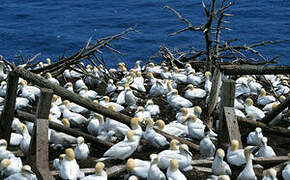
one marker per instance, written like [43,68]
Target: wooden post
[227,100]
[232,125]
[7,115]
[214,94]
[39,141]
[269,117]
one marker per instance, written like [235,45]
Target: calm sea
[60,27]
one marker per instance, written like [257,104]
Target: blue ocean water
[57,28]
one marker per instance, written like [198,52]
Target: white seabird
[173,172]
[69,168]
[235,156]
[100,173]
[81,150]
[138,167]
[154,172]
[155,139]
[265,150]
[248,172]
[219,166]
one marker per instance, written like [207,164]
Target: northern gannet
[193,93]
[182,115]
[242,89]
[4,153]
[177,101]
[74,118]
[106,103]
[29,92]
[154,173]
[158,88]
[51,79]
[176,129]
[265,150]
[152,108]
[100,173]
[155,139]
[10,166]
[206,147]
[96,124]
[142,114]
[138,167]
[122,149]
[173,172]
[248,172]
[25,174]
[89,94]
[173,149]
[208,83]
[255,137]
[235,156]
[138,82]
[25,142]
[270,174]
[192,78]
[251,109]
[81,150]
[264,99]
[57,162]
[219,166]
[69,168]
[110,87]
[3,88]
[177,76]
[69,86]
[165,74]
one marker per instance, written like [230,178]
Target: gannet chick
[206,147]
[219,166]
[25,142]
[154,172]
[177,101]
[57,162]
[263,99]
[25,174]
[155,139]
[193,93]
[255,137]
[106,103]
[142,114]
[152,108]
[138,82]
[74,118]
[69,168]
[194,79]
[235,156]
[174,130]
[51,79]
[251,109]
[4,153]
[286,170]
[10,166]
[96,124]
[173,173]
[122,149]
[270,174]
[208,83]
[81,150]
[138,167]
[265,150]
[248,172]
[100,173]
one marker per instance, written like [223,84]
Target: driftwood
[280,131]
[251,69]
[270,160]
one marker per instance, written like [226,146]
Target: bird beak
[188,152]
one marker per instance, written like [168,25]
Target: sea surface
[57,28]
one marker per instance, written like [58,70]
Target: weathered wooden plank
[270,160]
[39,141]
[9,106]
[227,100]
[252,69]
[232,125]
[214,94]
